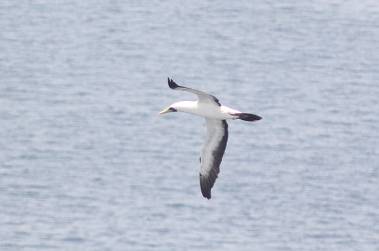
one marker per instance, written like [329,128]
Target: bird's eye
[172,109]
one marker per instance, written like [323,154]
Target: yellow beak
[165,111]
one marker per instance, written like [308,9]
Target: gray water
[87,164]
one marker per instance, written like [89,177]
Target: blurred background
[86,163]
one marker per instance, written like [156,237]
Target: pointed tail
[249,117]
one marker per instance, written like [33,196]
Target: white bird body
[206,109]
[215,114]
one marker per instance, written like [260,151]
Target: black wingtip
[207,195]
[205,187]
[172,84]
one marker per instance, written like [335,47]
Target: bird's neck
[186,106]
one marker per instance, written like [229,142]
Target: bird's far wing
[203,97]
[212,153]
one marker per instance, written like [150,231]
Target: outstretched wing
[212,153]
[203,97]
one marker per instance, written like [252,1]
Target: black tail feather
[249,117]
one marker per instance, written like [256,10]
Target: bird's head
[181,106]
[171,108]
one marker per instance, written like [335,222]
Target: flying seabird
[215,115]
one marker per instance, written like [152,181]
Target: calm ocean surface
[87,164]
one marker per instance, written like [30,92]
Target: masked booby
[215,115]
